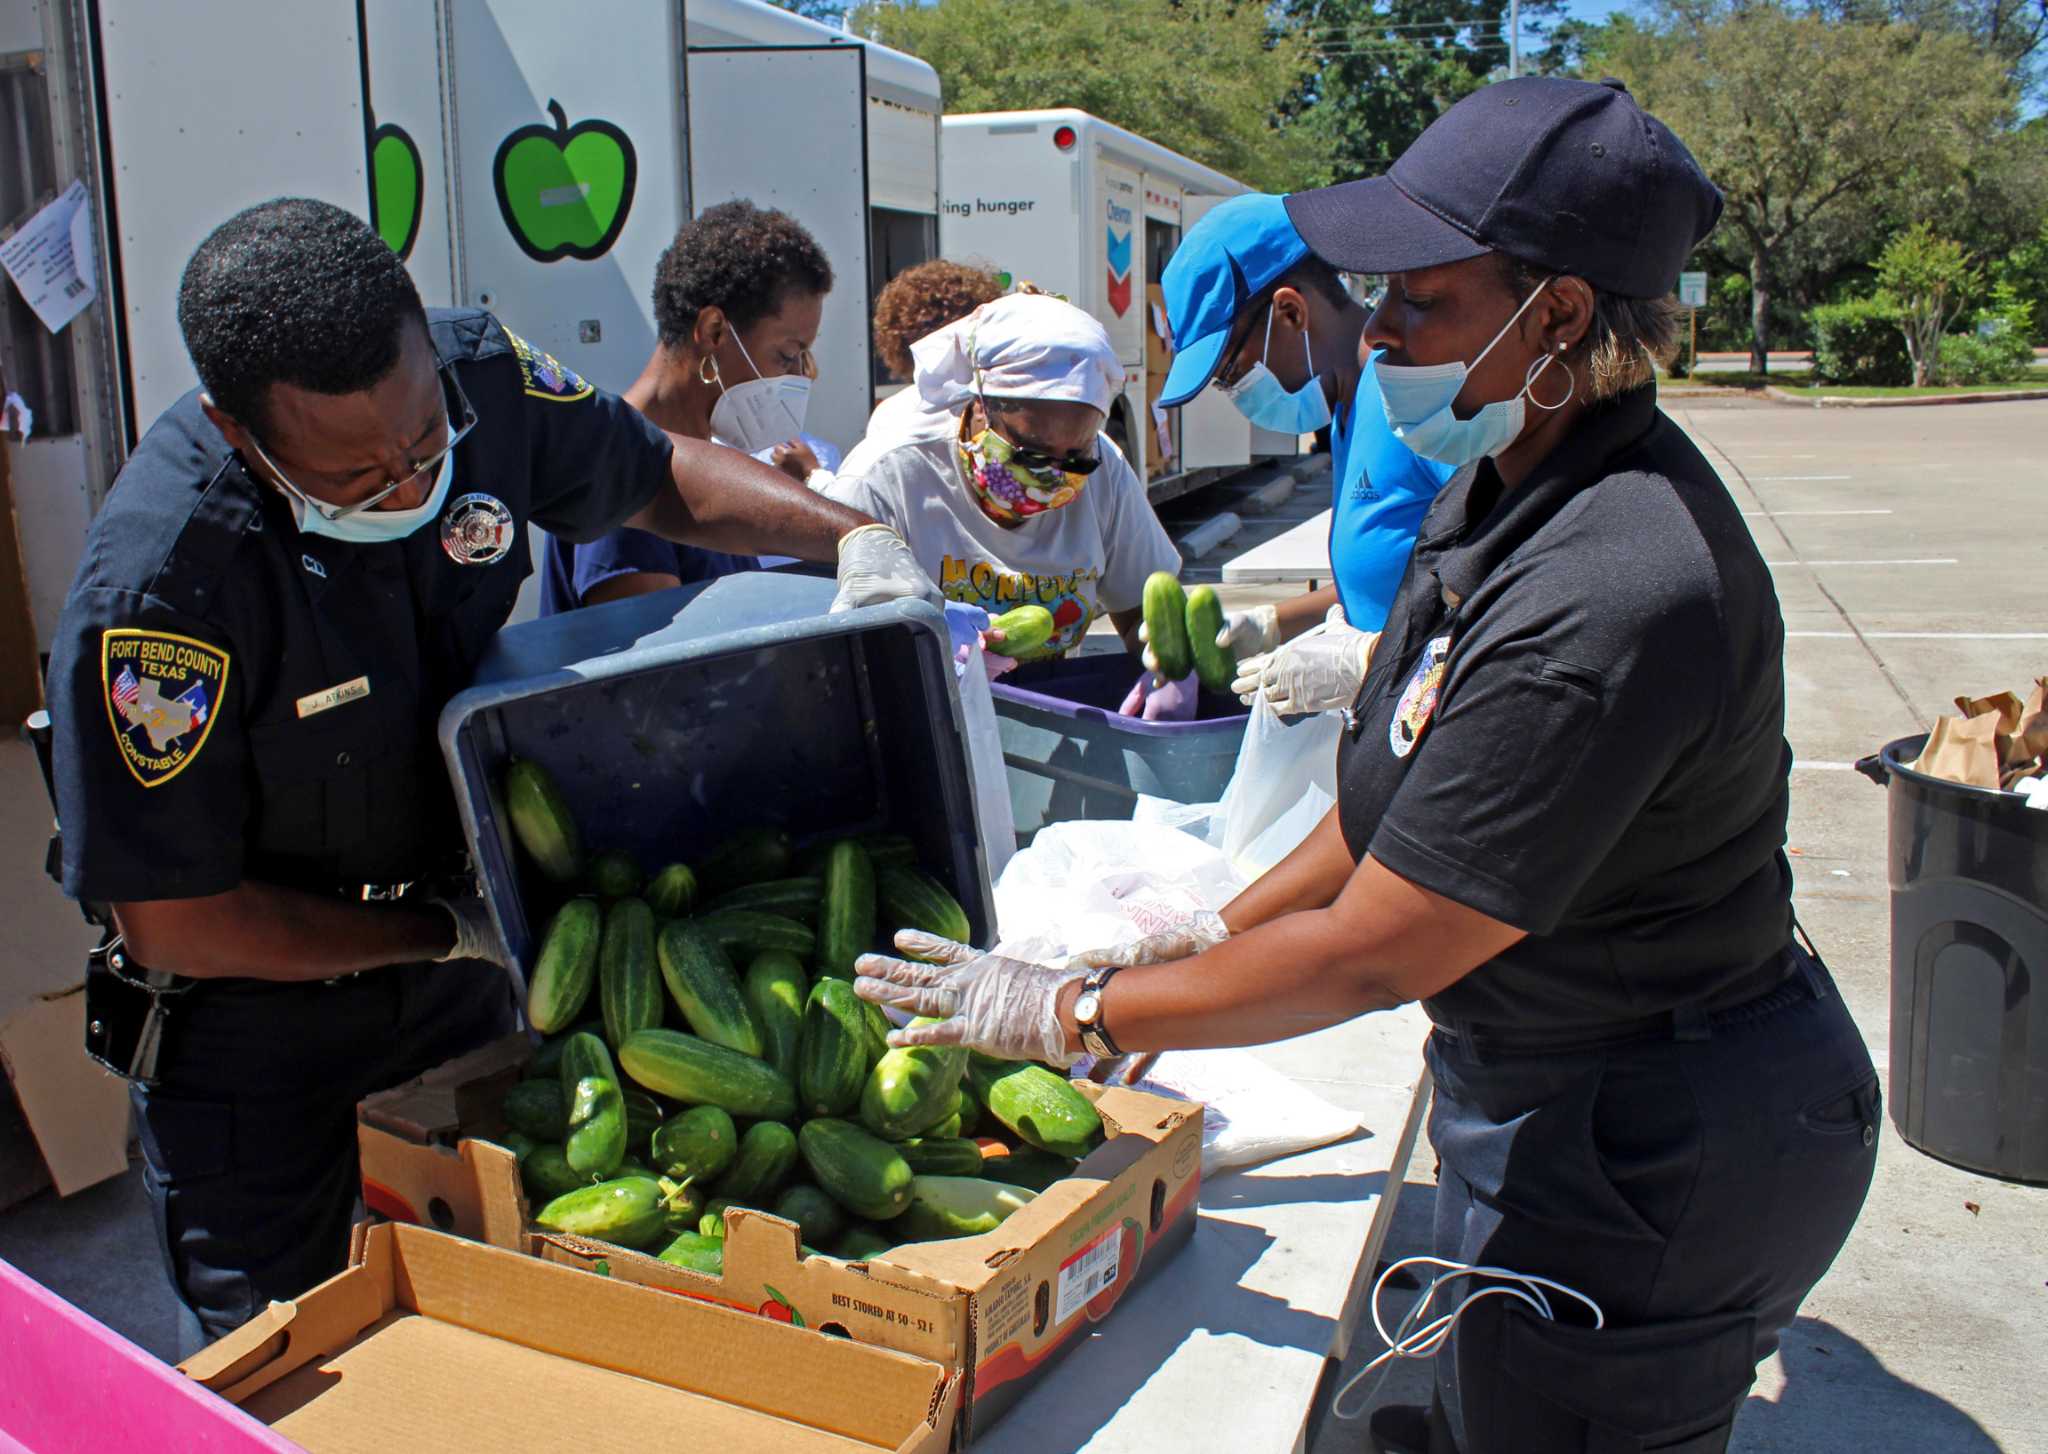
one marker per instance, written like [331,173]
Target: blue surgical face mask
[1417,399]
[375,527]
[1265,401]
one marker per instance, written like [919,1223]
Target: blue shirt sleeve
[571,572]
[1381,491]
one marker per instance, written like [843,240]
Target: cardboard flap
[458,1095]
[286,1336]
[76,1108]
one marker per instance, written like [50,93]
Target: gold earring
[707,371]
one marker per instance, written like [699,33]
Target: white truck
[520,154]
[1091,211]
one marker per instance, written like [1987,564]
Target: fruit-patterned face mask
[1012,484]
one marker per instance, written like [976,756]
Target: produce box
[997,1308]
[670,721]
[430,1342]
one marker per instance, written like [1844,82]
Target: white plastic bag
[1095,884]
[1251,1112]
[985,763]
[1284,782]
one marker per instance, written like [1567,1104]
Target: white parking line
[1783,514]
[1920,635]
[1785,479]
[1808,564]
[1800,764]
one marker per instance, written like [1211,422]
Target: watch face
[1087,1007]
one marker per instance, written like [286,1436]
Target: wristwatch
[1088,1017]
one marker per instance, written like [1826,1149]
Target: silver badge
[477,530]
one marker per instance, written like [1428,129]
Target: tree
[831,12]
[1929,279]
[1205,77]
[1801,121]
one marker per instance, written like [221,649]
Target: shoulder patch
[544,378]
[1419,698]
[162,691]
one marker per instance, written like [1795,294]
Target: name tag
[317,702]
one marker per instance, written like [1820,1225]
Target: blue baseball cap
[1232,255]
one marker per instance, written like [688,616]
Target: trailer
[1090,211]
[519,157]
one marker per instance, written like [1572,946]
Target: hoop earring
[1536,368]
[707,371]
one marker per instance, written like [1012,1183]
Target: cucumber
[629,983]
[862,1241]
[816,1215]
[643,1114]
[701,980]
[518,1143]
[584,1054]
[682,1207]
[865,1175]
[878,1028]
[766,1157]
[832,1061]
[537,1108]
[671,892]
[1025,632]
[547,1061]
[943,1156]
[1037,1105]
[566,967]
[696,1253]
[696,1072]
[912,1089]
[615,875]
[542,822]
[597,1127]
[546,1174]
[1027,1166]
[1215,665]
[627,1211]
[948,1129]
[883,847]
[747,932]
[792,898]
[913,899]
[711,1223]
[968,1109]
[748,857]
[1166,625]
[634,1166]
[695,1145]
[959,1206]
[775,989]
[846,918]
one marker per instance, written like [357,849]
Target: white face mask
[762,412]
[373,526]
[1417,399]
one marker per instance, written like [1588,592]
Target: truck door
[786,127]
[408,165]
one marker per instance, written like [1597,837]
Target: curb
[1836,401]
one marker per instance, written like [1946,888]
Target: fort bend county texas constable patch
[162,692]
[1418,698]
[543,378]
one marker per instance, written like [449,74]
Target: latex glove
[1203,929]
[1250,633]
[876,566]
[476,936]
[968,627]
[1003,1007]
[1162,701]
[1320,669]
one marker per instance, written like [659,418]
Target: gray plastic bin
[1969,1042]
[1069,754]
[673,720]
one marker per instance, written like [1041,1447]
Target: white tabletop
[1299,554]
[1224,1347]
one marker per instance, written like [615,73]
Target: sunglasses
[429,465]
[1038,459]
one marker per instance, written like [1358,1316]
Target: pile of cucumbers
[705,1049]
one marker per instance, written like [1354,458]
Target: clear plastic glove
[476,935]
[1320,669]
[1201,930]
[1002,1007]
[1162,701]
[876,566]
[1250,633]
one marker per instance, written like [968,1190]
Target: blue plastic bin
[671,721]
[1068,753]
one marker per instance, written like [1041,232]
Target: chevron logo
[1119,254]
[1120,293]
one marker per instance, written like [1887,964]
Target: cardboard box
[429,1342]
[997,1308]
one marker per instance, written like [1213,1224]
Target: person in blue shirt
[738,296]
[1271,325]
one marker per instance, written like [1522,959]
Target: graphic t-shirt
[1079,562]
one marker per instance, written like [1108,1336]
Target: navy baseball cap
[1241,248]
[1572,176]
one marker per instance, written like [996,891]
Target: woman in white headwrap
[1004,485]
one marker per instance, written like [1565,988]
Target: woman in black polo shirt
[1561,817]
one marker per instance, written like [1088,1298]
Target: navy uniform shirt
[1574,723]
[232,699]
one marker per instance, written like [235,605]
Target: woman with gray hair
[1560,825]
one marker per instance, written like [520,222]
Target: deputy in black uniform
[295,570]
[1563,796]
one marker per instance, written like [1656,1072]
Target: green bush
[1859,342]
[1997,353]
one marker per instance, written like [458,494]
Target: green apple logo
[397,187]
[564,191]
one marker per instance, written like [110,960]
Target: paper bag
[2030,739]
[1963,750]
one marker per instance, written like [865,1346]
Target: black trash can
[1969,1045]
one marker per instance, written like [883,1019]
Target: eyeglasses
[1038,459]
[415,468]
